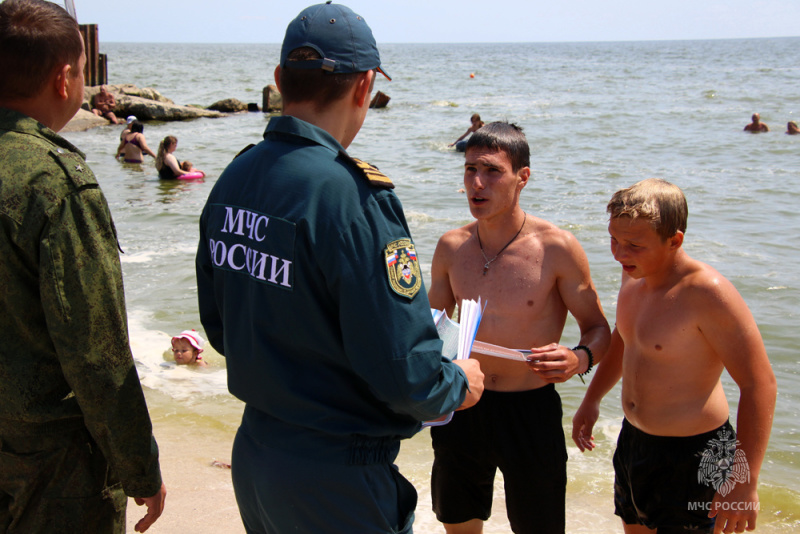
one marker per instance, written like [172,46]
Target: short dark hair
[137,127]
[505,137]
[313,85]
[36,38]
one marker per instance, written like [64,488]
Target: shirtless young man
[530,273]
[679,324]
[104,103]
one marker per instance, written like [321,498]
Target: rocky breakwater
[146,103]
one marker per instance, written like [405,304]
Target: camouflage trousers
[57,483]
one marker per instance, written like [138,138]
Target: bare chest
[659,330]
[523,307]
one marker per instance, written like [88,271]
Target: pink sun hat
[194,339]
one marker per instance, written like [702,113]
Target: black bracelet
[591,360]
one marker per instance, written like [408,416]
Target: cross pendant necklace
[489,261]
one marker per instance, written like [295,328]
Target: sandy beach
[200,496]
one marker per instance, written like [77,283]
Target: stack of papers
[457,338]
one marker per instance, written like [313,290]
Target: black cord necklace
[489,261]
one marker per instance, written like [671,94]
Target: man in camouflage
[75,435]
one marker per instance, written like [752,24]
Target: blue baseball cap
[341,37]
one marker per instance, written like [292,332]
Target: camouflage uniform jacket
[65,359]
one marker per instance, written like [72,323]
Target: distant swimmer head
[342,38]
[791,128]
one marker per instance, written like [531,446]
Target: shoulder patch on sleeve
[402,268]
[375,177]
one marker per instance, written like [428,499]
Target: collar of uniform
[14,121]
[288,125]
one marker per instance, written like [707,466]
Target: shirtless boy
[679,324]
[530,273]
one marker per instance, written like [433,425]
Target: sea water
[598,116]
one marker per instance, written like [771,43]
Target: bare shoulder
[550,234]
[453,239]
[557,242]
[449,244]
[707,291]
[704,281]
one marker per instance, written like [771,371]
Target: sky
[448,21]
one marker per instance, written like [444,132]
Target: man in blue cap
[309,284]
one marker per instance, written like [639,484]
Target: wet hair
[313,85]
[137,127]
[661,203]
[36,38]
[163,146]
[504,137]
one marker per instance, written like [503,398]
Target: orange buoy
[471,74]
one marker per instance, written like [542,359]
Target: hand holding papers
[458,346]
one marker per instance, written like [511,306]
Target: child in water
[186,347]
[188,166]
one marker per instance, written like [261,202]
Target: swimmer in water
[756,126]
[476,124]
[186,348]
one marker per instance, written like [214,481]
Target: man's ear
[61,80]
[524,175]
[364,88]
[277,76]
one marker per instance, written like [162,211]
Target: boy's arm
[732,332]
[607,375]
[440,294]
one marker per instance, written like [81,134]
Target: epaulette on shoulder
[74,167]
[245,149]
[375,177]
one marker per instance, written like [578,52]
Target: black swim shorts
[522,434]
[657,479]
